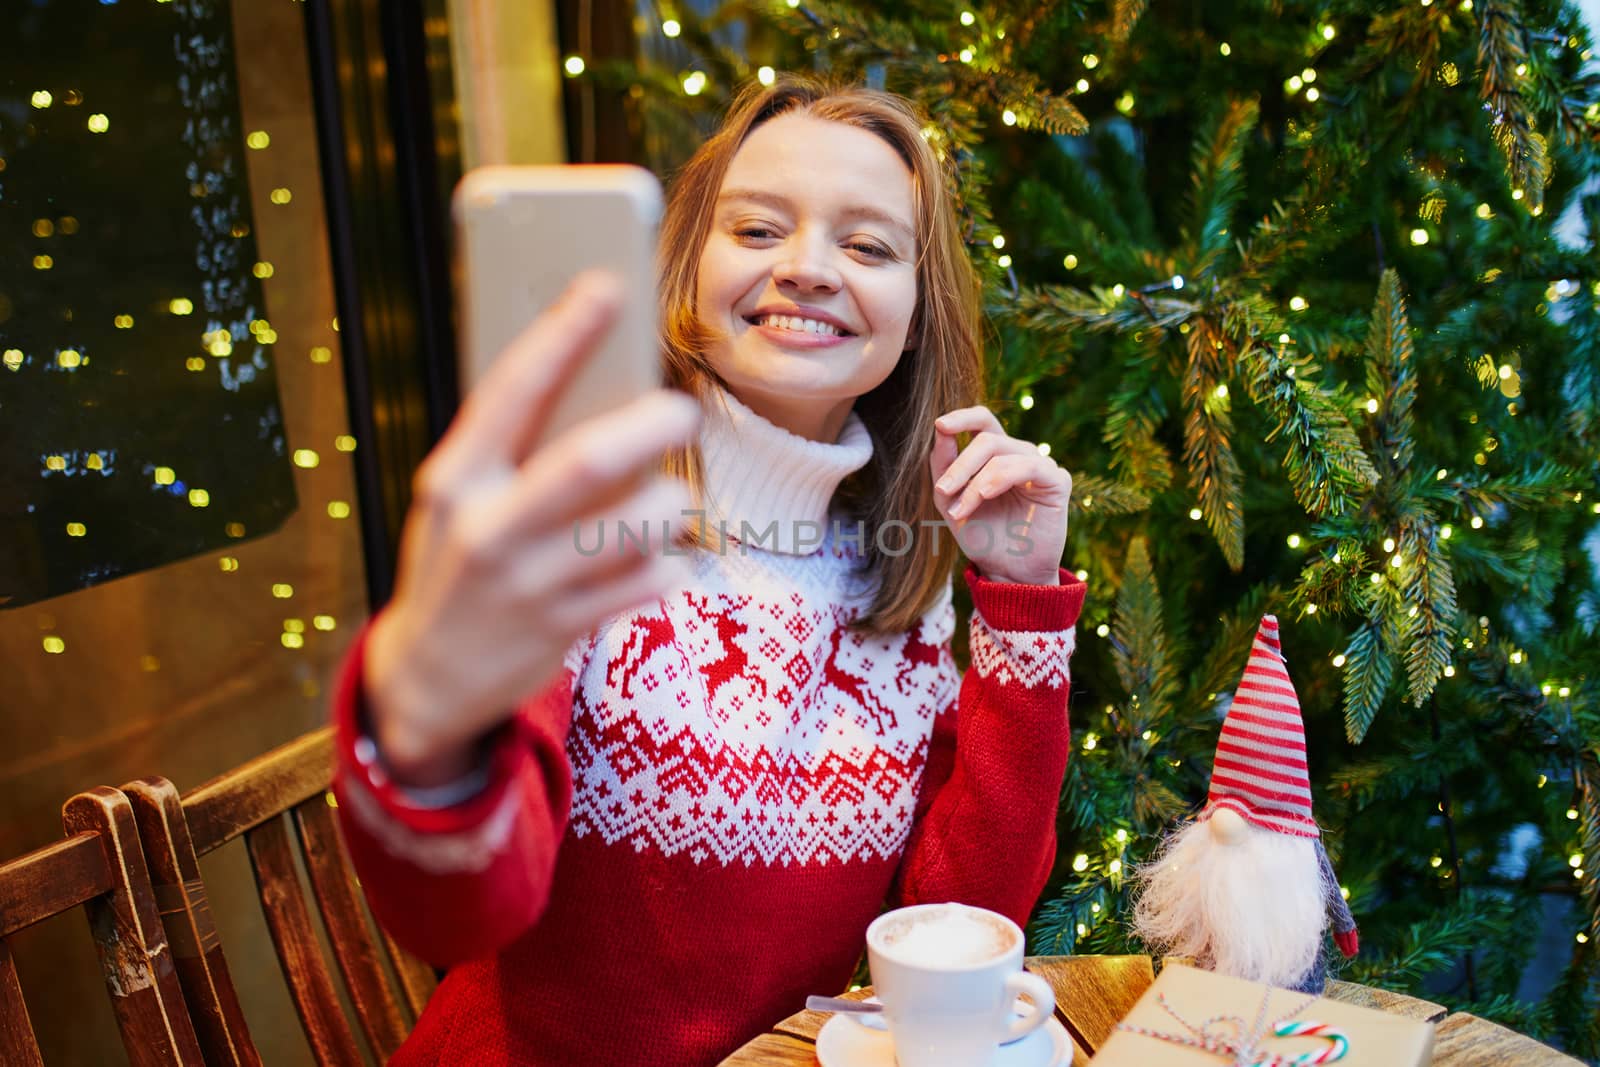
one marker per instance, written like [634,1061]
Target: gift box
[1193,1018]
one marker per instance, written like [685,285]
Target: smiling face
[809,273]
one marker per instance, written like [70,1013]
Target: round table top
[1093,993]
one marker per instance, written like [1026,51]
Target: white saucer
[848,1041]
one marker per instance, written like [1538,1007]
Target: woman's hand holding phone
[492,588]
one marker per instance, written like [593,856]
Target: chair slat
[49,880]
[186,913]
[248,796]
[417,979]
[137,961]
[289,922]
[17,1045]
[339,900]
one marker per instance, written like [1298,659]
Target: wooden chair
[258,801]
[100,867]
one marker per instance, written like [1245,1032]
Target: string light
[1071,263]
[1446,532]
[98,123]
[670,28]
[1572,813]
[968,18]
[1102,630]
[573,66]
[1477,522]
[1225,48]
[1026,401]
[694,82]
[1338,661]
[1080,863]
[1195,513]
[766,75]
[1294,540]
[1449,670]
[338,509]
[1298,303]
[1008,117]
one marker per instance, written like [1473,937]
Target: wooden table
[1094,992]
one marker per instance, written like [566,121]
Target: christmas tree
[1305,297]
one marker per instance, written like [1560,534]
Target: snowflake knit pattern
[690,829]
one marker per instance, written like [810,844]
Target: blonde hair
[941,370]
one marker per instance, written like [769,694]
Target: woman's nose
[807,270]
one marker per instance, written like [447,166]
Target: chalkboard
[140,421]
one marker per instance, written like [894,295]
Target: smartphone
[523,233]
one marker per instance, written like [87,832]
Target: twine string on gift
[1226,1035]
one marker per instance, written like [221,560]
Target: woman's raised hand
[492,588]
[1006,502]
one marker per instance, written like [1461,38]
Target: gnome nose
[1228,827]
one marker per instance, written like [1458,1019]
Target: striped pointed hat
[1260,770]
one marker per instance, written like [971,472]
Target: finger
[514,399]
[975,419]
[1002,474]
[600,547]
[943,454]
[978,452]
[647,584]
[598,462]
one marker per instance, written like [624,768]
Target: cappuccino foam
[951,937]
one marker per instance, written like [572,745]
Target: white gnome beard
[1252,909]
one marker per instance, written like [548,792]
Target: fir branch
[1429,591]
[1217,181]
[1125,17]
[1333,581]
[1154,802]
[1391,378]
[1572,1003]
[1589,810]
[1500,52]
[1368,670]
[1208,453]
[1229,650]
[1132,417]
[1060,307]
[1139,638]
[1535,1020]
[1426,947]
[1102,496]
[1327,467]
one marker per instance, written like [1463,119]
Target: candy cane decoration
[1338,1045]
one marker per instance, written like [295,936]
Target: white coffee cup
[948,975]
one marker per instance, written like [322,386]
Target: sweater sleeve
[458,882]
[984,830]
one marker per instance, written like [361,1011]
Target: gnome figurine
[1246,888]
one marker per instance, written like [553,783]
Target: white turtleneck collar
[759,473]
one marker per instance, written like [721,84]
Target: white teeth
[800,325]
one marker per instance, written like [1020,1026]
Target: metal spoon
[840,1004]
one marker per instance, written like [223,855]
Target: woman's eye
[877,251]
[753,233]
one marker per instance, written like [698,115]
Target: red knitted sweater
[690,829]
